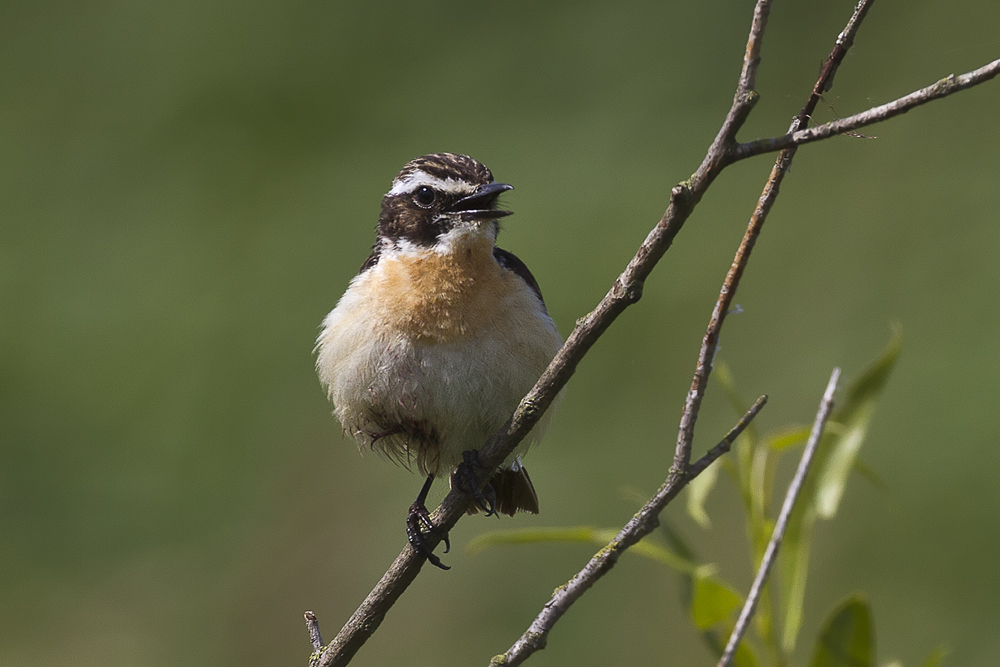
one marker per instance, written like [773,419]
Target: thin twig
[709,457]
[745,98]
[313,627]
[845,40]
[946,86]
[643,523]
[825,407]
[743,102]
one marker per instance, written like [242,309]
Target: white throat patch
[455,240]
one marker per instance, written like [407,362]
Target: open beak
[480,204]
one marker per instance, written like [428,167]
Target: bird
[439,337]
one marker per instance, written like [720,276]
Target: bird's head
[437,199]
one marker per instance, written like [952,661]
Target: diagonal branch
[644,522]
[714,162]
[825,406]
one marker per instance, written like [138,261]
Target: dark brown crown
[448,165]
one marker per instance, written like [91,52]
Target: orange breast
[442,297]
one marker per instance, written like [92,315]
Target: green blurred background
[186,189]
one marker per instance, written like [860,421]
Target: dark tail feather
[514,492]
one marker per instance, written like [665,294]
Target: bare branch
[709,457]
[845,40]
[825,407]
[745,98]
[643,523]
[534,638]
[946,86]
[710,342]
[626,290]
[313,627]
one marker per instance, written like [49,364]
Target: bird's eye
[424,196]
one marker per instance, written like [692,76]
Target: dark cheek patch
[401,220]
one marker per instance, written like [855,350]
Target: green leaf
[839,463]
[677,544]
[762,470]
[664,555]
[787,437]
[724,377]
[855,416]
[698,490]
[745,657]
[531,536]
[676,541]
[714,637]
[713,602]
[824,487]
[873,477]
[746,445]
[588,534]
[793,565]
[871,382]
[936,657]
[846,639]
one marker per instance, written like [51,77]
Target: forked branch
[947,86]
[627,290]
[680,471]
[643,523]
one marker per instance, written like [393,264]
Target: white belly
[425,395]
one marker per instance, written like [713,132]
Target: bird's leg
[465,478]
[417,521]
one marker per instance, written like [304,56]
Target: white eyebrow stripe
[420,178]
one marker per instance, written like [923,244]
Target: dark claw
[417,521]
[491,499]
[465,474]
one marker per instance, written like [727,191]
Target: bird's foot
[465,478]
[418,521]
